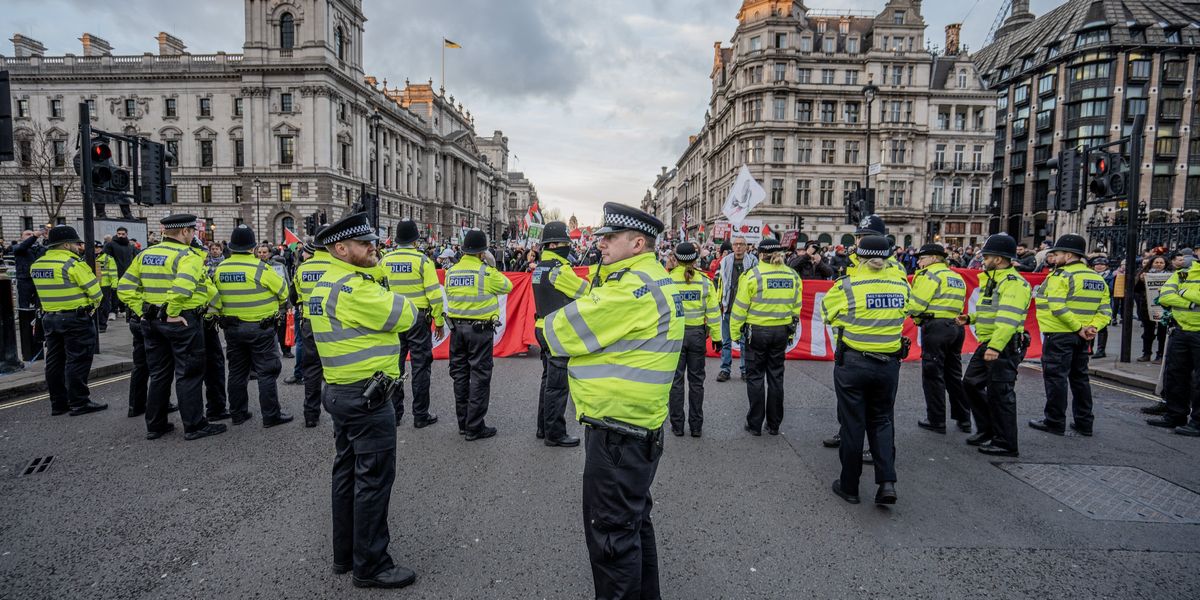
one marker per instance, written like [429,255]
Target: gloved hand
[717,345]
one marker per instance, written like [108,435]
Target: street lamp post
[868,92]
[376,119]
[257,195]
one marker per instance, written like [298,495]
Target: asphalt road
[246,514]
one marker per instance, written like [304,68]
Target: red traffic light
[1102,165]
[101,152]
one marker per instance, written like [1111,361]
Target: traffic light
[1066,182]
[154,172]
[860,204]
[310,224]
[1108,177]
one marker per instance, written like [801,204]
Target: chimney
[24,47]
[94,46]
[169,45]
[952,32]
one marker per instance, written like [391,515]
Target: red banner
[814,339]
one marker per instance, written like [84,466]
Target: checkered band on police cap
[179,221]
[618,217]
[352,227]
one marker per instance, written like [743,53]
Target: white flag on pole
[743,197]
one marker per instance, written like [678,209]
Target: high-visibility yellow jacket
[623,339]
[560,275]
[355,322]
[1002,307]
[701,301]
[893,270]
[248,289]
[166,273]
[937,291]
[413,275]
[64,281]
[308,274]
[108,270]
[1071,298]
[767,295]
[868,309]
[471,289]
[1181,294]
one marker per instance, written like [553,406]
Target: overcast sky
[594,96]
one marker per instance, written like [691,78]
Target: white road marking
[91,384]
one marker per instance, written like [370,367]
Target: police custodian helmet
[555,232]
[241,239]
[1071,242]
[474,242]
[1000,244]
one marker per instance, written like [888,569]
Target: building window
[804,111]
[25,152]
[780,106]
[1172,35]
[130,108]
[759,148]
[173,153]
[752,109]
[23,108]
[1021,95]
[237,107]
[287,149]
[960,121]
[962,78]
[1139,69]
[56,111]
[345,157]
[237,194]
[1088,72]
[169,108]
[804,150]
[60,153]
[1045,84]
[937,194]
[851,77]
[852,46]
[781,40]
[776,192]
[850,110]
[780,71]
[341,111]
[287,31]
[828,111]
[827,76]
[755,44]
[898,148]
[239,153]
[803,191]
[206,107]
[1175,70]
[896,193]
[285,102]
[898,17]
[206,153]
[851,153]
[939,156]
[26,193]
[339,43]
[828,152]
[206,194]
[285,192]
[802,76]
[826,197]
[806,43]
[1095,36]
[829,44]
[778,150]
[943,120]
[895,107]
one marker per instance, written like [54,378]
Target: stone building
[1076,77]
[521,195]
[793,96]
[290,126]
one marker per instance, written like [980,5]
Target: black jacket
[808,269]
[25,253]
[122,254]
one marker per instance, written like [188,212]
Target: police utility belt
[839,355]
[377,391]
[230,322]
[748,330]
[82,311]
[158,312]
[479,325]
[623,429]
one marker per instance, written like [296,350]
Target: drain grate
[37,465]
[1111,493]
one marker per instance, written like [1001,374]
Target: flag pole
[443,64]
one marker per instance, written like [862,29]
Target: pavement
[246,514]
[114,357]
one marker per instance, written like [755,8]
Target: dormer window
[844,27]
[1172,36]
[898,17]
[287,31]
[820,26]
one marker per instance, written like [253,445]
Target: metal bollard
[8,327]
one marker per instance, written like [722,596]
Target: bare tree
[552,213]
[45,165]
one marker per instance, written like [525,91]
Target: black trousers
[764,358]
[32,334]
[691,363]
[552,400]
[1151,331]
[139,377]
[617,475]
[70,345]
[175,351]
[252,346]
[471,370]
[363,472]
[314,375]
[866,399]
[991,390]
[1181,377]
[419,342]
[106,302]
[941,370]
[216,402]
[1100,344]
[1065,365]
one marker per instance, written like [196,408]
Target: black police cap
[178,221]
[871,225]
[1000,244]
[686,251]
[407,232]
[555,232]
[619,217]
[1071,242]
[474,242]
[873,246]
[352,227]
[769,244]
[62,234]
[242,239]
[932,250]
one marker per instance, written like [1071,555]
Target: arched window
[825,238]
[287,31]
[907,241]
[962,78]
[956,192]
[339,43]
[288,223]
[801,238]
[847,240]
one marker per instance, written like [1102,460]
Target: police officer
[938,296]
[623,340]
[68,293]
[701,318]
[305,280]
[1072,306]
[25,253]
[867,309]
[768,305]
[413,275]
[164,280]
[216,401]
[107,267]
[1181,412]
[355,321]
[249,294]
[474,312]
[870,225]
[991,376]
[555,285]
[1100,266]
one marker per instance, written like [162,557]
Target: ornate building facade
[808,99]
[290,126]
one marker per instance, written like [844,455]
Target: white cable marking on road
[16,403]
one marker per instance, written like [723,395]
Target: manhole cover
[37,465]
[1109,493]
